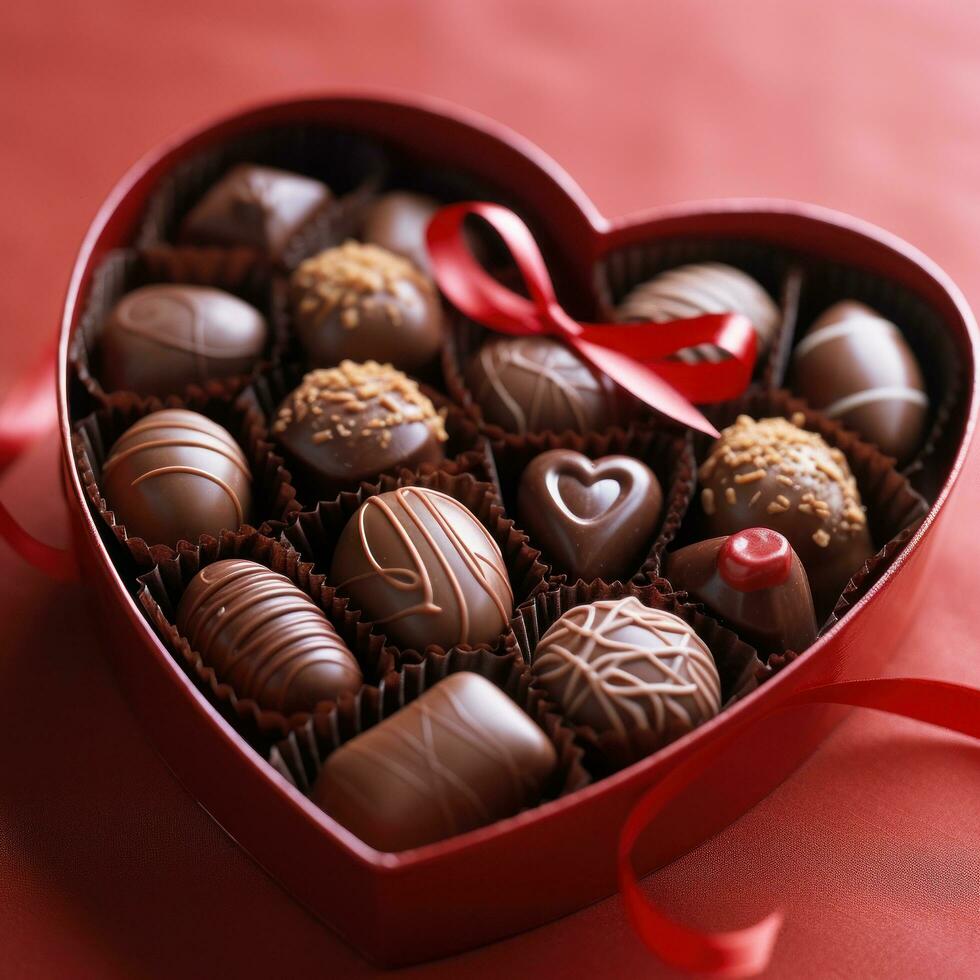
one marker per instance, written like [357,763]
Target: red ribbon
[29,411]
[747,952]
[636,355]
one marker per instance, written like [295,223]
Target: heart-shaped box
[544,863]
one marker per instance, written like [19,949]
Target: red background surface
[107,868]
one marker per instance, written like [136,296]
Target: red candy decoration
[756,558]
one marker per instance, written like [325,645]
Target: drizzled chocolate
[265,638]
[424,570]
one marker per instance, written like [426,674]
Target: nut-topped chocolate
[355,421]
[695,290]
[536,384]
[256,207]
[460,756]
[175,475]
[773,473]
[159,339]
[421,566]
[265,638]
[361,302]
[620,666]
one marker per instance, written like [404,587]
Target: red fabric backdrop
[107,868]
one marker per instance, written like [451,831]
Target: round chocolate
[360,301]
[353,422]
[159,339]
[265,638]
[591,518]
[397,221]
[175,475]
[619,666]
[424,569]
[772,473]
[856,367]
[695,290]
[536,384]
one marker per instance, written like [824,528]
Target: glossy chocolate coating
[175,475]
[424,569]
[460,756]
[695,290]
[159,339]
[856,367]
[253,206]
[771,473]
[397,221]
[754,582]
[350,423]
[536,384]
[265,638]
[619,666]
[361,302]
[592,519]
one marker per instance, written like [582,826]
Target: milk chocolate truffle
[159,339]
[619,666]
[257,207]
[175,475]
[754,582]
[855,366]
[536,384]
[360,301]
[352,422]
[424,569]
[772,473]
[591,518]
[397,221]
[265,638]
[695,290]
[460,756]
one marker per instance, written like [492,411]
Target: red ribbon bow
[637,356]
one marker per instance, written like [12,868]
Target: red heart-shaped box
[544,863]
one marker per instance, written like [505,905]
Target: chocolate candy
[352,422]
[619,666]
[424,569]
[592,519]
[397,221]
[460,756]
[695,290]
[754,582]
[158,339]
[256,207]
[265,638]
[771,473]
[856,367]
[536,384]
[175,475]
[360,301]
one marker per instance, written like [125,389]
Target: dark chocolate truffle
[256,207]
[175,475]
[619,666]
[460,756]
[424,569]
[265,638]
[754,582]
[771,473]
[856,367]
[350,423]
[592,519]
[696,290]
[361,302]
[159,339]
[536,384]
[397,221]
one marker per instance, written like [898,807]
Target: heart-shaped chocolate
[591,518]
